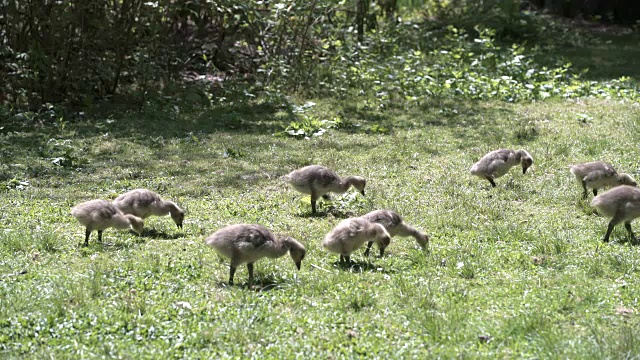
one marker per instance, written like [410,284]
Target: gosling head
[626,179]
[358,182]
[296,250]
[525,160]
[178,217]
[136,223]
[423,240]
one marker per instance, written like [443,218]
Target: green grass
[522,264]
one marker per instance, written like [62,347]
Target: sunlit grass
[515,271]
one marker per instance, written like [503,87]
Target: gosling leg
[86,237]
[100,236]
[493,184]
[609,230]
[366,251]
[584,186]
[232,271]
[614,221]
[250,268]
[627,226]
[314,198]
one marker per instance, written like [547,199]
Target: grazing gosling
[621,204]
[101,214]
[498,162]
[247,243]
[394,224]
[351,234]
[317,181]
[597,174]
[144,203]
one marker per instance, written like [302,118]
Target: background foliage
[77,52]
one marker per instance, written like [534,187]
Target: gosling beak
[298,263]
[179,226]
[362,192]
[524,170]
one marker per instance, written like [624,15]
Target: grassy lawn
[515,271]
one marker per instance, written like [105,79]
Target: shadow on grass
[322,214]
[152,129]
[247,118]
[160,235]
[361,266]
[310,215]
[260,283]
[107,246]
[621,240]
[610,53]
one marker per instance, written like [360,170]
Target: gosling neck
[291,243]
[170,207]
[347,182]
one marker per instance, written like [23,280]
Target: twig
[21,272]
[320,268]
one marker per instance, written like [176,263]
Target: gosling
[394,224]
[144,203]
[621,204]
[317,181]
[350,234]
[597,174]
[247,243]
[101,214]
[498,162]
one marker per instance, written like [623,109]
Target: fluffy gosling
[598,174]
[621,204]
[247,243]
[101,214]
[498,162]
[144,203]
[317,181]
[350,234]
[394,224]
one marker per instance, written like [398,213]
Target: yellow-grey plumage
[102,214]
[498,162]
[620,204]
[317,181]
[247,243]
[350,234]
[395,225]
[144,203]
[599,174]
